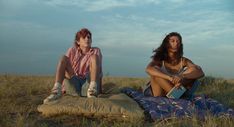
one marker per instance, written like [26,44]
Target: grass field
[20,96]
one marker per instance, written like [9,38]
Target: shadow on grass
[110,87]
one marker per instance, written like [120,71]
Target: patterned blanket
[159,108]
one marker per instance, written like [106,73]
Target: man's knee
[64,59]
[94,58]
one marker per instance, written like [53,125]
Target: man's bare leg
[95,67]
[63,67]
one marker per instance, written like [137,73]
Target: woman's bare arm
[153,69]
[193,71]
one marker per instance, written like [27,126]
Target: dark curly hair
[161,53]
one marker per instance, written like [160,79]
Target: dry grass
[20,96]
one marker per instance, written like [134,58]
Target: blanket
[159,108]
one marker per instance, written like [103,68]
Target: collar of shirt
[88,53]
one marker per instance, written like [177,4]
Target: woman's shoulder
[156,62]
[186,61]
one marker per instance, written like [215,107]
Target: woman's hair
[82,33]
[161,53]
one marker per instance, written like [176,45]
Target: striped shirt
[80,63]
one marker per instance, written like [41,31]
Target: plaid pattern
[160,108]
[80,63]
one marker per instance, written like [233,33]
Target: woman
[169,68]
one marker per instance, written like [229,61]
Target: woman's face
[174,44]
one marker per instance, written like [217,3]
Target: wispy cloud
[99,5]
[89,5]
[197,28]
[224,48]
[137,35]
[125,30]
[12,7]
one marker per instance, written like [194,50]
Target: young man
[82,65]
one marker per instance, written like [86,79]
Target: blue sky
[35,33]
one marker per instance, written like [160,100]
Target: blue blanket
[158,108]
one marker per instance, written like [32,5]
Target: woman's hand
[178,85]
[177,81]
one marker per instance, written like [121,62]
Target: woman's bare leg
[160,86]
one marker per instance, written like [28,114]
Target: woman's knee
[157,90]
[155,81]
[162,83]
[158,79]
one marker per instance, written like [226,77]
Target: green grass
[20,96]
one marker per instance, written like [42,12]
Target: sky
[34,34]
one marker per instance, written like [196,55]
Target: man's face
[85,41]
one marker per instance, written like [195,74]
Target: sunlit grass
[20,96]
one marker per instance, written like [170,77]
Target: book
[176,92]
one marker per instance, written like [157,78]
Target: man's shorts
[75,84]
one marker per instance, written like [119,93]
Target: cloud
[99,5]
[126,31]
[27,38]
[11,6]
[197,28]
[224,48]
[89,5]
[136,35]
[177,1]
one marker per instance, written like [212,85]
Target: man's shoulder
[73,48]
[96,49]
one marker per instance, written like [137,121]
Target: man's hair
[82,33]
